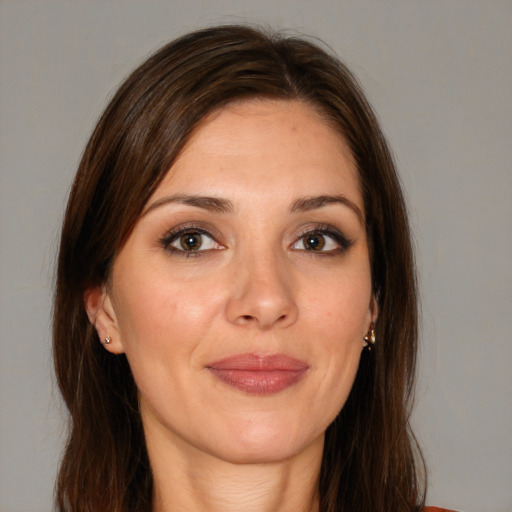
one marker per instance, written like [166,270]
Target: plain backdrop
[438,73]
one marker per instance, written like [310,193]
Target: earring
[107,340]
[369,339]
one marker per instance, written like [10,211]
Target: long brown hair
[369,457]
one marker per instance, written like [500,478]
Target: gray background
[439,75]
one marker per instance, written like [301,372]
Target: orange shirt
[437,509]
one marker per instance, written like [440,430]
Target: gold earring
[370,338]
[107,340]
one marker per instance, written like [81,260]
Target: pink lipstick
[257,374]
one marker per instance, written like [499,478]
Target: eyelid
[326,230]
[174,233]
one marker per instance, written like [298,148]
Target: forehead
[266,147]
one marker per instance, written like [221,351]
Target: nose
[262,295]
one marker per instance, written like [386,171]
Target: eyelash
[331,232]
[174,234]
[324,230]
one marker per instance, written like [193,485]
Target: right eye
[192,240]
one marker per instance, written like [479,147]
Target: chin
[265,444]
[258,454]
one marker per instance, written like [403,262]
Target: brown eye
[191,241]
[325,240]
[314,242]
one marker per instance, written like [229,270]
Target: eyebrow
[213,204]
[220,205]
[305,204]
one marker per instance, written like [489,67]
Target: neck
[186,480]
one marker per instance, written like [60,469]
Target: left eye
[193,241]
[317,242]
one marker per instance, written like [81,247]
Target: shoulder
[437,509]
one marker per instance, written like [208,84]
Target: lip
[258,374]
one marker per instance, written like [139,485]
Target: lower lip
[259,382]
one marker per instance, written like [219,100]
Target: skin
[255,288]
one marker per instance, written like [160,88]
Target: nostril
[255,318]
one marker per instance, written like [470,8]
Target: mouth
[259,375]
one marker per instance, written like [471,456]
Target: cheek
[338,319]
[154,306]
[341,307]
[162,321]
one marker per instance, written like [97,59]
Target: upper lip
[257,362]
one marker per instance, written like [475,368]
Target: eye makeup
[322,240]
[195,240]
[190,240]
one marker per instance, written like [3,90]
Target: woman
[235,319]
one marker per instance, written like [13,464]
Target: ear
[374,309]
[101,313]
[371,319]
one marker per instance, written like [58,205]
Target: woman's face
[243,293]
